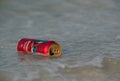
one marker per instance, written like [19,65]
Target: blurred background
[87,30]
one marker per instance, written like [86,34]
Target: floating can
[39,47]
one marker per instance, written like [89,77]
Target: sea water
[87,30]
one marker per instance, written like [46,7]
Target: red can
[40,47]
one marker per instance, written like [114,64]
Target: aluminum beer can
[39,47]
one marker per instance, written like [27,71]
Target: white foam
[97,61]
[60,65]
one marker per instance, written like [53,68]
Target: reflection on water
[28,57]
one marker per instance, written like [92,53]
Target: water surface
[87,30]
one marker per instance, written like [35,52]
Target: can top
[55,50]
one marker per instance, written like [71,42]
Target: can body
[40,47]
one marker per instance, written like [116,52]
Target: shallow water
[87,30]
